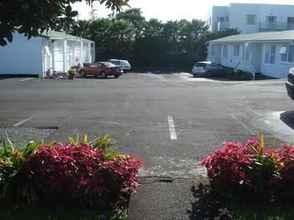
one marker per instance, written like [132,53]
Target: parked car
[206,68]
[123,64]
[290,83]
[101,69]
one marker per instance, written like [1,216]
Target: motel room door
[256,56]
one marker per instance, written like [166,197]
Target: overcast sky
[171,9]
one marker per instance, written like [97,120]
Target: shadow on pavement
[288,118]
[209,205]
[13,76]
[97,78]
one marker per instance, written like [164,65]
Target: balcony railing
[276,26]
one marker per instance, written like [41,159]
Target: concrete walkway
[164,199]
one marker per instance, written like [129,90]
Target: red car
[101,69]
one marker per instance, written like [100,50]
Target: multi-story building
[251,18]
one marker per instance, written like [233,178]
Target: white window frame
[287,61]
[221,19]
[271,22]
[272,49]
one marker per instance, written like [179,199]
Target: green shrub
[250,170]
[75,174]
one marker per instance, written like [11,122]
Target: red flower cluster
[81,175]
[248,167]
[227,166]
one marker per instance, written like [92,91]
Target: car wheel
[116,76]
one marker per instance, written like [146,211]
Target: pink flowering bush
[248,168]
[227,166]
[76,175]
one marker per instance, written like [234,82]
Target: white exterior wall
[238,12]
[215,13]
[256,59]
[42,56]
[238,17]
[280,69]
[22,56]
[66,53]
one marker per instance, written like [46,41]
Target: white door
[58,55]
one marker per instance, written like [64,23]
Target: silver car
[122,64]
[206,68]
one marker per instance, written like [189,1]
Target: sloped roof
[261,36]
[60,35]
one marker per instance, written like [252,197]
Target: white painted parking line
[25,79]
[172,128]
[251,132]
[22,122]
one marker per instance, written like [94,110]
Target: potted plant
[71,73]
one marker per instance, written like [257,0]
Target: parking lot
[169,120]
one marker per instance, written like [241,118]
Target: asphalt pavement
[171,121]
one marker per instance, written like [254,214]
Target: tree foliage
[148,43]
[31,17]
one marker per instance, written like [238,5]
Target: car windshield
[108,64]
[125,63]
[115,62]
[200,65]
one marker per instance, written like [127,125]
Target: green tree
[149,44]
[135,19]
[113,37]
[82,29]
[149,48]
[31,17]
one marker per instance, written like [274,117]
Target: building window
[271,19]
[220,19]
[236,50]
[251,19]
[270,54]
[225,51]
[290,22]
[284,54]
[287,54]
[291,54]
